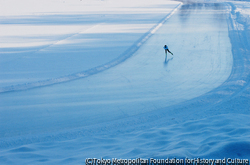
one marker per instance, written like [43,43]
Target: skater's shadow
[167,61]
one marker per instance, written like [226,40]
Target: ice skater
[166,51]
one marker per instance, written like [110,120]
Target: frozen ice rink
[84,79]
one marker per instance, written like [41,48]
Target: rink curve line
[83,74]
[69,36]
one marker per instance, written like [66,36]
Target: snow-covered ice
[87,79]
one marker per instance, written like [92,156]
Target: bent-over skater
[167,50]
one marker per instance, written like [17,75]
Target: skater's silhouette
[166,51]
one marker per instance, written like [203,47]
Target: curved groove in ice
[128,53]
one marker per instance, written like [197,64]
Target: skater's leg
[169,52]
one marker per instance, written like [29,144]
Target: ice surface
[196,104]
[38,44]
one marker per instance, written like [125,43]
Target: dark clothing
[166,50]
